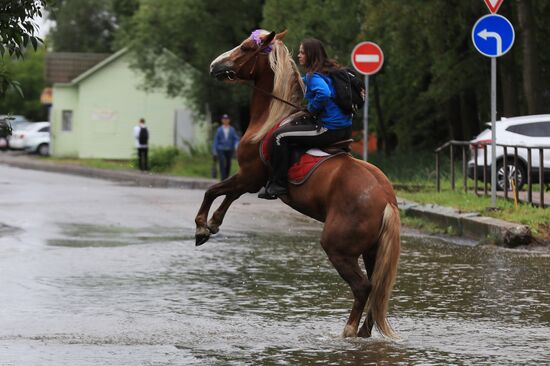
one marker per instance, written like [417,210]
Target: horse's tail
[385,270]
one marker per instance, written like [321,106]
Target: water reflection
[120,296]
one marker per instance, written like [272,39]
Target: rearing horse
[353,198]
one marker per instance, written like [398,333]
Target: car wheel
[511,171]
[44,149]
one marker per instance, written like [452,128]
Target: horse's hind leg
[366,329]
[348,268]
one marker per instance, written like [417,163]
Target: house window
[67,121]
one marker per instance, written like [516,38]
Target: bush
[161,159]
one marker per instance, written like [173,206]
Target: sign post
[367,58]
[493,35]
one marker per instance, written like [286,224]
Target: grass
[536,218]
[413,176]
[161,160]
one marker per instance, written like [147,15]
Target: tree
[17,31]
[29,72]
[88,25]
[174,41]
[434,85]
[531,69]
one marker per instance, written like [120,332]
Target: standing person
[329,123]
[224,145]
[141,136]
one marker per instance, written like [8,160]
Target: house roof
[62,67]
[99,66]
[115,56]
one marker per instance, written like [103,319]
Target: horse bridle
[231,75]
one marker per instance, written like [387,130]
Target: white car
[34,137]
[530,131]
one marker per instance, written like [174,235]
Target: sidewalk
[470,225]
[144,179]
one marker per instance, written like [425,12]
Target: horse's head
[264,54]
[248,59]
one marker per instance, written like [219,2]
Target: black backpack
[143,136]
[348,88]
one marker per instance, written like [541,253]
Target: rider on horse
[327,123]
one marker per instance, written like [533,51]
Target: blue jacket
[222,143]
[320,96]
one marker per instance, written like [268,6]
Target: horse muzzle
[222,72]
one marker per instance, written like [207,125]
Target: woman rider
[331,124]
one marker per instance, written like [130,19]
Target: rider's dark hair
[316,57]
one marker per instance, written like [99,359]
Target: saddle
[304,161]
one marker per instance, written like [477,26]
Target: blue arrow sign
[493,35]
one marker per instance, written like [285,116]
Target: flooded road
[95,273]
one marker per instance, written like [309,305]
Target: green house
[94,114]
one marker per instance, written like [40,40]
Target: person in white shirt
[141,137]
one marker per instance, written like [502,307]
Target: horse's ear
[281,36]
[267,40]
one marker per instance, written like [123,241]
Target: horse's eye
[245,48]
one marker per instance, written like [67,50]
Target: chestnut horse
[353,198]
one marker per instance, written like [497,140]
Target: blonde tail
[385,270]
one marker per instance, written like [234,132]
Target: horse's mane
[287,85]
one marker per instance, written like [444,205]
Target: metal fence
[463,146]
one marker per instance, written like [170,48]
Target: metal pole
[366,120]
[493,132]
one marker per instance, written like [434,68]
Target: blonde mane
[287,85]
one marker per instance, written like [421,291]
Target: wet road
[97,273]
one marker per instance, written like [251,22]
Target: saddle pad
[300,172]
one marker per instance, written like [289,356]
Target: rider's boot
[276,189]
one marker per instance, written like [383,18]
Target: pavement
[468,225]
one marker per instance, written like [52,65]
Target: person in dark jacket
[224,145]
[330,123]
[141,138]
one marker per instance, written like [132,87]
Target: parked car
[530,131]
[35,137]
[16,122]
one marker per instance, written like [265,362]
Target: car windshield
[19,125]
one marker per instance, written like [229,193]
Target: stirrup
[266,196]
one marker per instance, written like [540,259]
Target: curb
[128,177]
[470,225]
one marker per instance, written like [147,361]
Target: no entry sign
[367,58]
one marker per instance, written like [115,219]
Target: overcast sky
[44,25]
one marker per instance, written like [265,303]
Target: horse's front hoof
[202,234]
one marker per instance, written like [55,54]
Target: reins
[274,96]
[232,74]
